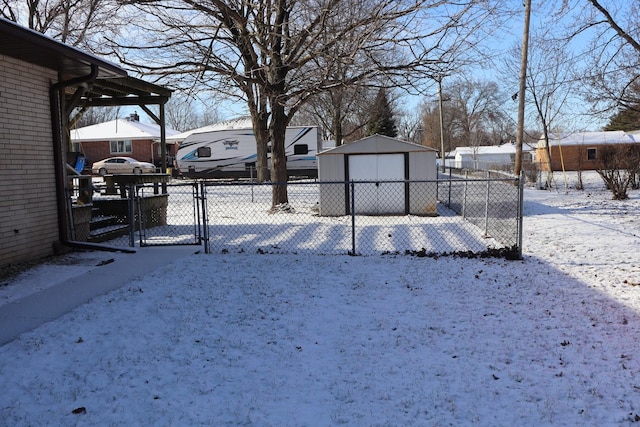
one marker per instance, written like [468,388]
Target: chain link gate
[176,215]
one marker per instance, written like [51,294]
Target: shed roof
[118,129]
[376,144]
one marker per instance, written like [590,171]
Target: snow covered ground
[292,340]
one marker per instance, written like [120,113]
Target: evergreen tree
[626,119]
[382,121]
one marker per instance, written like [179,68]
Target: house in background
[488,157]
[123,137]
[579,151]
[42,83]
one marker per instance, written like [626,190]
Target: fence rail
[454,214]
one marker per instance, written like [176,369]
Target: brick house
[123,137]
[42,84]
[579,150]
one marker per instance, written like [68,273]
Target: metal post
[353,219]
[449,202]
[205,224]
[464,195]
[197,225]
[132,216]
[486,207]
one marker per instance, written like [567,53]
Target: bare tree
[275,54]
[95,115]
[341,112]
[474,113]
[81,23]
[550,83]
[184,112]
[613,50]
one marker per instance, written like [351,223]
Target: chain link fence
[455,214]
[459,213]
[148,215]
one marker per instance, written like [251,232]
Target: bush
[618,166]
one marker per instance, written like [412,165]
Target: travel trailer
[231,153]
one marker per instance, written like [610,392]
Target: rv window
[204,152]
[269,149]
[300,149]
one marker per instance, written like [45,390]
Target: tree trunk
[277,131]
[259,122]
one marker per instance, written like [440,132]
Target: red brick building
[122,137]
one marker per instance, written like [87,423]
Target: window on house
[591,153]
[120,146]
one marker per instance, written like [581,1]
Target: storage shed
[390,177]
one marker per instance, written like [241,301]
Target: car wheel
[102,172]
[137,171]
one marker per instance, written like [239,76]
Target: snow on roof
[119,129]
[239,123]
[592,138]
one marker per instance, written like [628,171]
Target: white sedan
[118,165]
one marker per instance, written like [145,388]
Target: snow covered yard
[250,339]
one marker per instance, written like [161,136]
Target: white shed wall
[421,164]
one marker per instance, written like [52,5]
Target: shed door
[378,197]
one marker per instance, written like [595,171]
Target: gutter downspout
[59,161]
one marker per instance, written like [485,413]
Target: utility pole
[442,153]
[523,87]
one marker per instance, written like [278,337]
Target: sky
[299,339]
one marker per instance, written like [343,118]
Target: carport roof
[36,48]
[112,87]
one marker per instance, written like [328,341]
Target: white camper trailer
[231,153]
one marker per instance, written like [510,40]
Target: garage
[387,177]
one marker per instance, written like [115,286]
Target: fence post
[353,219]
[450,176]
[486,206]
[520,212]
[132,215]
[464,195]
[205,224]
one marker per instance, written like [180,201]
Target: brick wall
[574,157]
[28,215]
[141,150]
